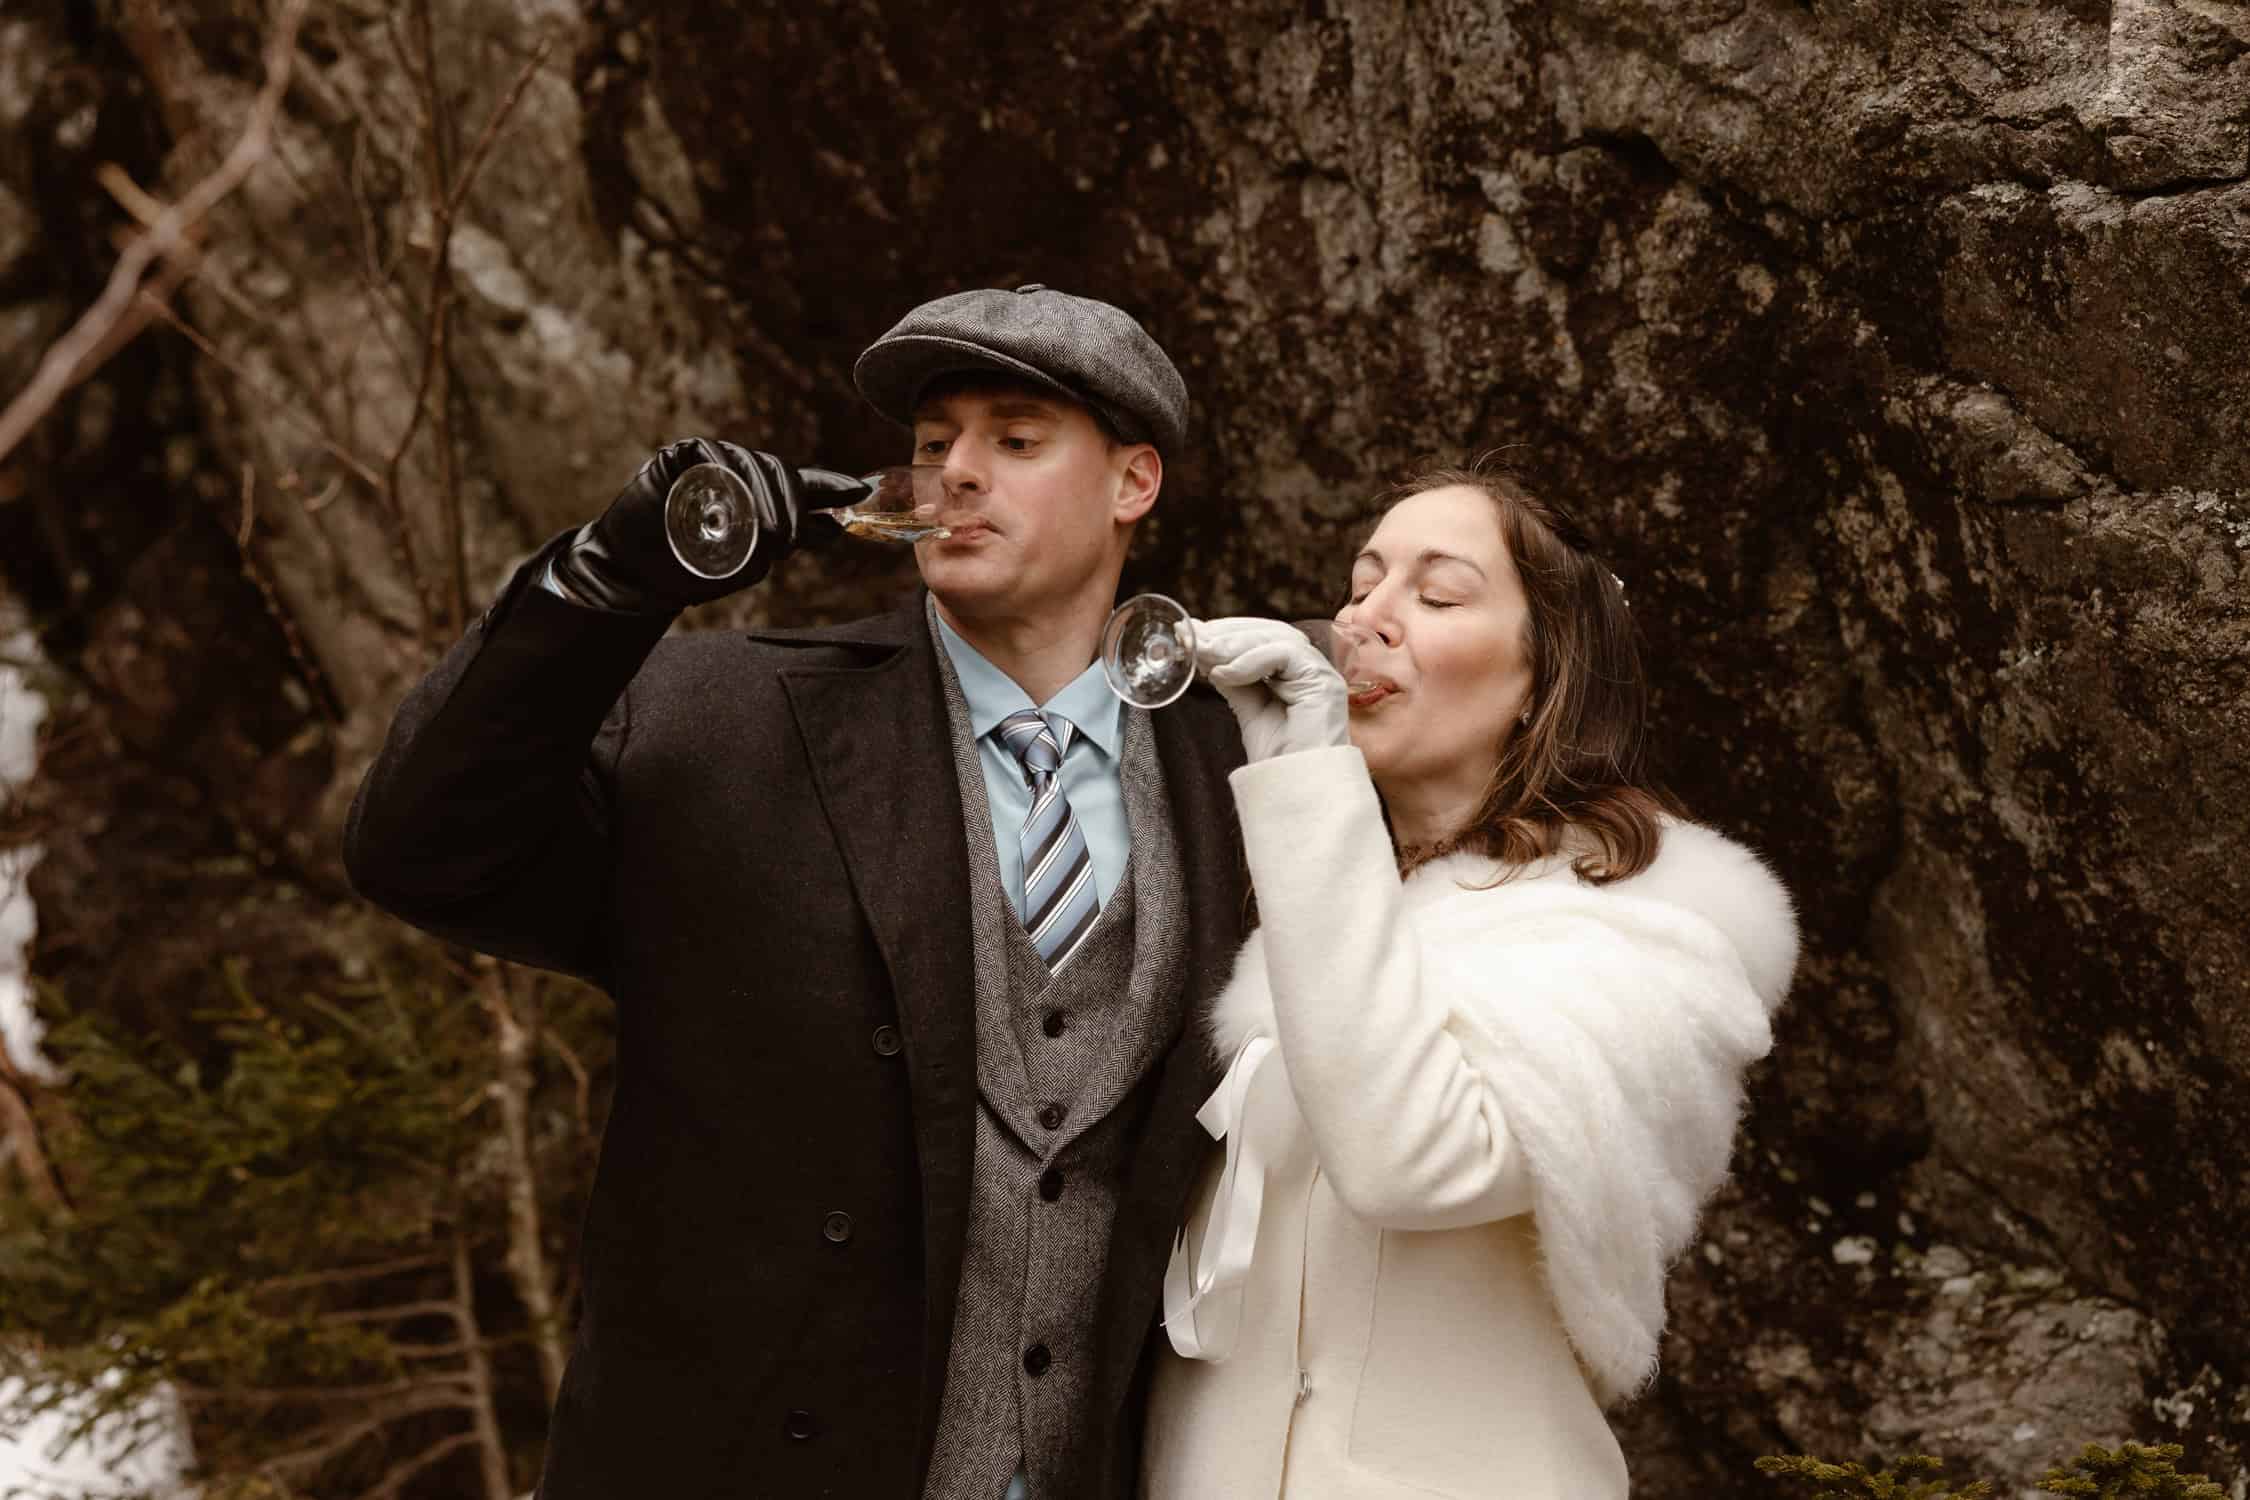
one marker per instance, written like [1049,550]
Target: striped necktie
[1060,901]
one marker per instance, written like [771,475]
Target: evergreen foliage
[1896,1483]
[2134,1470]
[2130,1473]
[290,1232]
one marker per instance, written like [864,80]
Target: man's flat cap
[1086,350]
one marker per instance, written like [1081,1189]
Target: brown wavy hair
[1574,776]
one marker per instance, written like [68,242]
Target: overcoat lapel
[1197,751]
[881,754]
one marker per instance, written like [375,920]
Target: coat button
[1050,1184]
[799,1425]
[886,1041]
[1036,1359]
[1052,1023]
[837,1226]
[1051,1116]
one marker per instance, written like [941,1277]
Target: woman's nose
[1374,613]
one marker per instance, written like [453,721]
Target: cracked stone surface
[1895,353]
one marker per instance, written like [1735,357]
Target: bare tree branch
[313,430]
[74,356]
[20,1128]
[404,1471]
[275,1395]
[449,197]
[315,679]
[580,1078]
[332,1440]
[344,1274]
[397,1311]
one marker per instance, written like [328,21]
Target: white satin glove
[1281,687]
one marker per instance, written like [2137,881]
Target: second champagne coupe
[1148,649]
[712,524]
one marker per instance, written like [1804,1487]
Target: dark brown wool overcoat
[754,843]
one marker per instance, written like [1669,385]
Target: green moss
[2134,1470]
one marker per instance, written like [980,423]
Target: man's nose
[962,474]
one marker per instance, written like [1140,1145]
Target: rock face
[1895,353]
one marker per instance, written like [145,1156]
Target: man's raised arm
[486,817]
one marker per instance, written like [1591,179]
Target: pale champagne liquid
[900,528]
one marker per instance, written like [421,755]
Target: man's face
[1039,500]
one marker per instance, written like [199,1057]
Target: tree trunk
[491,1448]
[514,1045]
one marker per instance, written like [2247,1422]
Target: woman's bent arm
[1406,1128]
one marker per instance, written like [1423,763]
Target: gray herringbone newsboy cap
[1084,349]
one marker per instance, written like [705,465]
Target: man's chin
[968,584]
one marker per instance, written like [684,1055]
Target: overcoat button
[886,1041]
[1052,1023]
[1051,1116]
[838,1227]
[799,1425]
[1050,1184]
[1036,1359]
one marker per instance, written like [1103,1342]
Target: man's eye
[1016,444]
[1360,597]
[1441,603]
[933,445]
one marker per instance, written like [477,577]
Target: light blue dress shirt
[1090,775]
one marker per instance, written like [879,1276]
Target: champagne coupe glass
[1148,649]
[713,526]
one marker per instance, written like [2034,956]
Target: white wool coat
[1489,1119]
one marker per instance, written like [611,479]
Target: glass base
[1148,651]
[710,521]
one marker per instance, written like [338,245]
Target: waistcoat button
[1036,1359]
[1052,1023]
[799,1425]
[1050,1184]
[1051,1116]
[837,1226]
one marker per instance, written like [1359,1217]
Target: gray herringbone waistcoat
[1042,1197]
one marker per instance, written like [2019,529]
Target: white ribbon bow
[1230,1234]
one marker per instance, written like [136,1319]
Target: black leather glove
[621,560]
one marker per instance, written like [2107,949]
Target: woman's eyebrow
[1436,555]
[1428,555]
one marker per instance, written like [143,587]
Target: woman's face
[1438,590]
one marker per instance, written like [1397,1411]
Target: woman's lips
[1373,693]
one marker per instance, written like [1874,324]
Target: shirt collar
[1095,713]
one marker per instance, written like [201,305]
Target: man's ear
[1137,486]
